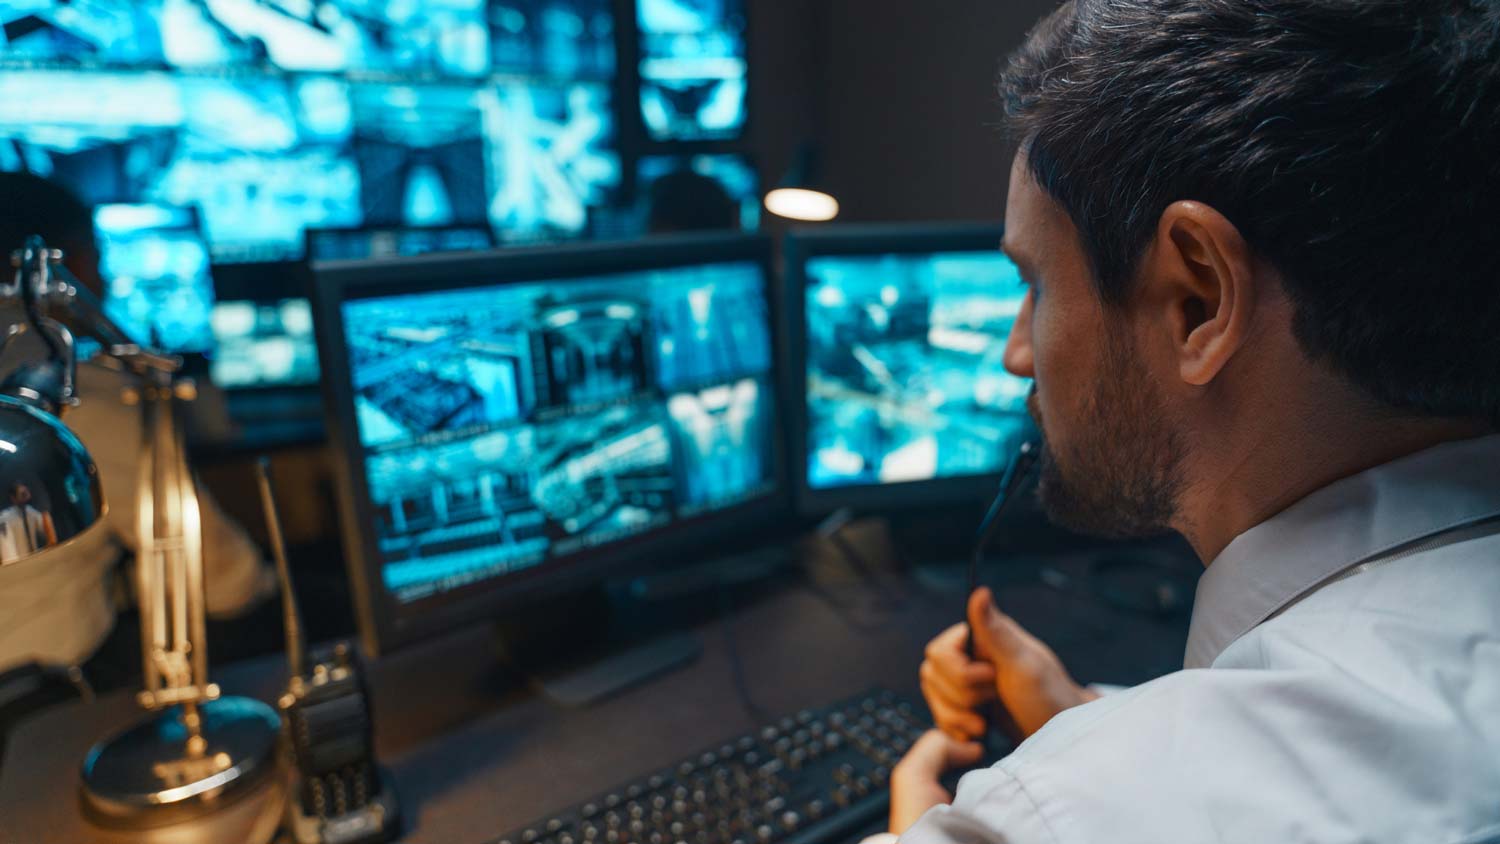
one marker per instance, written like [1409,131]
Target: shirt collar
[1345,523]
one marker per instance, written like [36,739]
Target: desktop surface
[476,751]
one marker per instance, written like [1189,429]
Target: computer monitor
[261,157]
[896,340]
[515,422]
[272,117]
[552,157]
[158,285]
[392,241]
[565,39]
[692,68]
[441,37]
[263,344]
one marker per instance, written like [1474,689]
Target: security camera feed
[739,178]
[692,68]
[360,244]
[421,154]
[262,158]
[263,344]
[506,427]
[443,37]
[273,117]
[551,158]
[905,380]
[556,38]
[155,263]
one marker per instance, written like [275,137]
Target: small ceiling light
[800,196]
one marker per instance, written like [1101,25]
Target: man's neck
[1231,490]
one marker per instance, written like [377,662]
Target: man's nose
[1018,355]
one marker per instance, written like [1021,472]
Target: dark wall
[900,95]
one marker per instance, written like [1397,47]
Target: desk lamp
[199,750]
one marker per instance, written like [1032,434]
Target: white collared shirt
[1342,684]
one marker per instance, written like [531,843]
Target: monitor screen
[559,38]
[502,428]
[358,244]
[262,157]
[443,37]
[551,157]
[692,68]
[158,286]
[263,344]
[734,172]
[275,116]
[905,380]
[421,153]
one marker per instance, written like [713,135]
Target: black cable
[1016,472]
[757,713]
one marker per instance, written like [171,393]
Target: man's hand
[1009,662]
[914,780]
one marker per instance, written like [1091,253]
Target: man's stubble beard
[1119,476]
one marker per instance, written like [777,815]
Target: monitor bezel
[386,624]
[311,234]
[804,243]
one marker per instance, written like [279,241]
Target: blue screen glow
[263,344]
[443,37]
[358,244]
[692,68]
[156,263]
[558,38]
[551,156]
[905,380]
[275,116]
[505,426]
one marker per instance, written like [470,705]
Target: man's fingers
[956,719]
[968,689]
[997,636]
[935,754]
[948,646]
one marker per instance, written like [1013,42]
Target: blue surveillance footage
[504,426]
[155,264]
[905,380]
[421,153]
[552,157]
[739,178]
[262,158]
[439,37]
[263,344]
[557,38]
[387,242]
[692,70]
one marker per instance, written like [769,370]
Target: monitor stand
[580,648]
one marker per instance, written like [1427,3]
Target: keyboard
[808,777]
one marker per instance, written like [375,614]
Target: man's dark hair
[30,204]
[1354,143]
[690,201]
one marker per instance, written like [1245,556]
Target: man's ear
[1199,276]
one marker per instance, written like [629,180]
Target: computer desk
[476,752]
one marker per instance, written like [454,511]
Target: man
[61,609]
[1263,243]
[688,201]
[24,529]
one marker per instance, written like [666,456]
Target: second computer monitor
[897,338]
[512,420]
